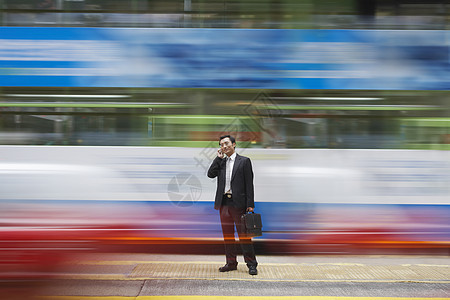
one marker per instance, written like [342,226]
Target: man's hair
[232,139]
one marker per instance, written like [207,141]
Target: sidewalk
[271,268]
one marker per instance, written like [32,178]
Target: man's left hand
[249,209]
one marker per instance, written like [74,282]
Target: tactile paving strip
[319,272]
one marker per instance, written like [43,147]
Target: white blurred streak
[285,175]
[311,172]
[57,50]
[17,168]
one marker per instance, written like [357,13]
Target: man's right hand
[220,153]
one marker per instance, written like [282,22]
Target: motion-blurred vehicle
[159,199]
[49,213]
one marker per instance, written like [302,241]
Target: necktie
[228,175]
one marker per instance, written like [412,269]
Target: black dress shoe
[252,270]
[227,268]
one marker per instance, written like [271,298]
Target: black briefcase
[252,224]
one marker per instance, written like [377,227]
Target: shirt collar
[233,156]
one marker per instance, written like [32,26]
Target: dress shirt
[229,171]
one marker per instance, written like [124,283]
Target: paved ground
[142,277]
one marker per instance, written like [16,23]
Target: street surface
[151,276]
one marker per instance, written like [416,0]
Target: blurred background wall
[290,14]
[195,69]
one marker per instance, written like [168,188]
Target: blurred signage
[224,58]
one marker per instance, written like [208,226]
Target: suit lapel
[222,171]
[236,166]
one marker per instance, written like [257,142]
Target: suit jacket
[241,181]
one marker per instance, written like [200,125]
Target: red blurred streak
[159,240]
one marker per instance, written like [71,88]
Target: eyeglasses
[227,143]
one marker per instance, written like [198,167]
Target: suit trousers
[229,217]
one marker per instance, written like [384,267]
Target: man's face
[227,146]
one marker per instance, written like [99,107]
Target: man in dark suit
[234,197]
